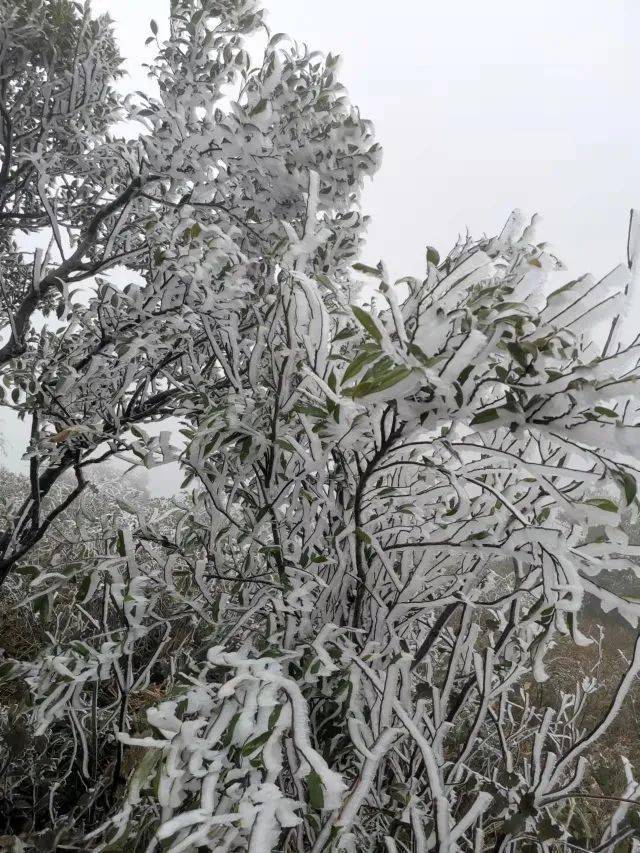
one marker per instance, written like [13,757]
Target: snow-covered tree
[198,206]
[383,527]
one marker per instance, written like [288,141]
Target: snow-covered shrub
[329,640]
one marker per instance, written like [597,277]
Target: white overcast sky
[480,107]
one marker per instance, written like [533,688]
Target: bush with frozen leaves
[327,641]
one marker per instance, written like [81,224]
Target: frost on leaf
[393,511]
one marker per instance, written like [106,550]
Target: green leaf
[81,648]
[120,546]
[485,417]
[367,322]
[433,256]
[361,536]
[255,743]
[344,334]
[83,589]
[154,27]
[139,433]
[312,411]
[274,716]
[459,397]
[464,375]
[608,413]
[629,485]
[215,608]
[603,503]
[316,793]
[367,270]
[380,369]
[260,107]
[245,447]
[227,736]
[379,383]
[427,361]
[406,508]
[358,363]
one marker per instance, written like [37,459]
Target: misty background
[480,108]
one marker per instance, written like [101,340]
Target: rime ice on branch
[385,527]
